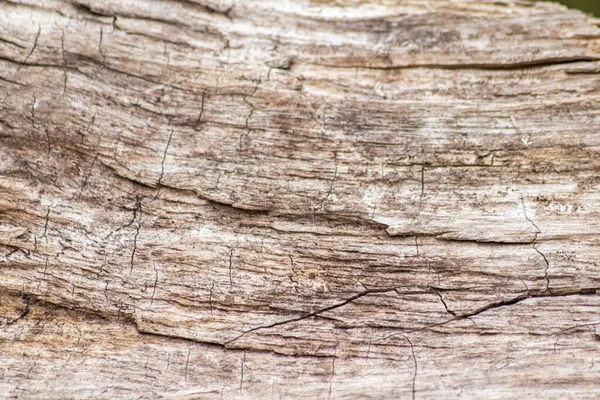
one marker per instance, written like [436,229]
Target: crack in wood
[35,41]
[24,313]
[162,163]
[534,245]
[539,63]
[312,314]
[136,212]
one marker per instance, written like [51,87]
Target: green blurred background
[588,6]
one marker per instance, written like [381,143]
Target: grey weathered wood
[299,199]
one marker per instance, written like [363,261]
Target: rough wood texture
[299,199]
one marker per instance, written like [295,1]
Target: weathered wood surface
[299,199]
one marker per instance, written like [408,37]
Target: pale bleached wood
[318,199]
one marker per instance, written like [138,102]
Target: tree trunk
[293,198]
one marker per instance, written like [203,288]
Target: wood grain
[281,199]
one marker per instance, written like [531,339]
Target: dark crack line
[330,188]
[43,274]
[3,79]
[445,305]
[245,98]
[201,110]
[26,301]
[491,306]
[155,283]
[250,115]
[137,232]
[187,363]
[286,67]
[62,44]
[514,300]
[417,244]
[210,295]
[87,178]
[162,163]
[500,304]
[142,331]
[242,374]
[293,266]
[312,314]
[35,41]
[332,373]
[534,244]
[560,332]
[545,62]
[230,266]
[46,222]
[93,61]
[7,41]
[48,145]
[134,250]
[422,187]
[416,366]
[91,122]
[546,269]
[414,357]
[100,43]
[217,182]
[101,270]
[199,195]
[248,118]
[133,219]
[444,237]
[11,252]
[527,217]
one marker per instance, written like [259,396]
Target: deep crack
[26,301]
[313,314]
